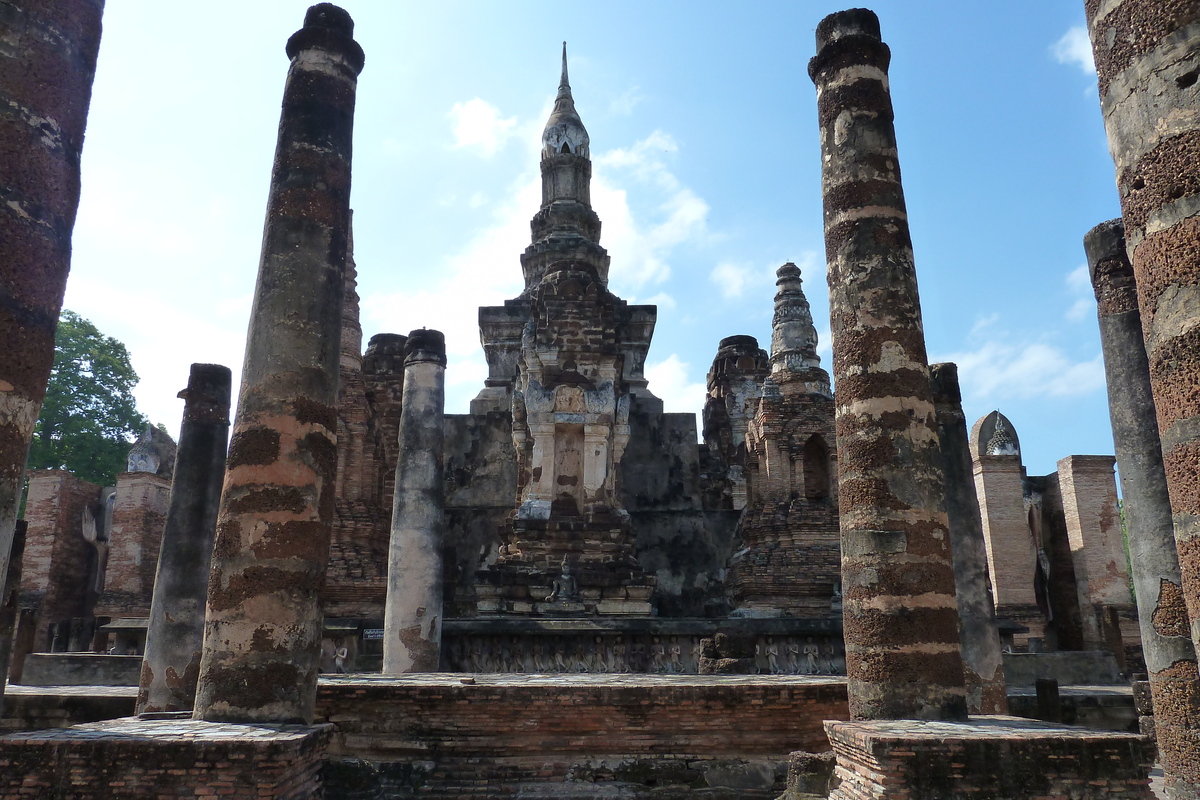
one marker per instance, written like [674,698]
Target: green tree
[89,417]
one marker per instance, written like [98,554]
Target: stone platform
[999,758]
[575,735]
[170,758]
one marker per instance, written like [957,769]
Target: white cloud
[484,272]
[1079,284]
[985,322]
[669,380]
[625,103]
[730,278]
[1075,48]
[478,124]
[998,370]
[735,280]
[641,252]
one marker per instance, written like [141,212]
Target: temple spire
[564,133]
[564,85]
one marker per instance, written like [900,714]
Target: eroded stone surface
[901,619]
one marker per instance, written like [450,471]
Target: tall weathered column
[412,627]
[983,667]
[262,638]
[903,656]
[46,70]
[1162,614]
[9,612]
[175,636]
[1147,61]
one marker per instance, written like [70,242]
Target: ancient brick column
[46,69]
[903,657]
[262,639]
[1166,643]
[175,635]
[1089,498]
[412,628]
[8,608]
[1148,62]
[983,667]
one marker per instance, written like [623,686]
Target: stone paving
[171,730]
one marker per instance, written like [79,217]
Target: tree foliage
[89,416]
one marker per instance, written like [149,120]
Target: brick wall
[138,518]
[999,758]
[132,758]
[542,726]
[1089,499]
[58,561]
[790,554]
[1010,548]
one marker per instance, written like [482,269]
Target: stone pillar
[46,69]
[1166,644]
[1089,495]
[8,609]
[1147,62]
[983,667]
[412,627]
[262,638]
[903,656]
[175,635]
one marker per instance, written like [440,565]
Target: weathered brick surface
[1089,493]
[58,560]
[502,730]
[510,716]
[132,758]
[138,518]
[1012,559]
[991,757]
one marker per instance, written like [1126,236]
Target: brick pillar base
[131,758]
[1000,758]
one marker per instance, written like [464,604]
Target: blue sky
[704,137]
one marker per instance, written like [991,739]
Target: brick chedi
[734,386]
[1167,646]
[46,70]
[262,634]
[579,360]
[369,401]
[1146,59]
[901,619]
[1012,549]
[789,561]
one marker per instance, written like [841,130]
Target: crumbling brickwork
[60,564]
[138,516]
[131,758]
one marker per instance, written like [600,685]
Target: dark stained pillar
[47,63]
[1148,60]
[412,627]
[900,615]
[175,636]
[262,638]
[983,667]
[8,609]
[1162,613]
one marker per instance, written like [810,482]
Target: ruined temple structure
[1055,553]
[787,561]
[91,554]
[587,530]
